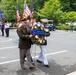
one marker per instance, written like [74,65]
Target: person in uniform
[24,44]
[42,56]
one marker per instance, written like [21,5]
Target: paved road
[61,53]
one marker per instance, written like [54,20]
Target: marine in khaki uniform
[24,44]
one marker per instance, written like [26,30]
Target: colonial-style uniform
[24,45]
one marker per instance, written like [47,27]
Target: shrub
[63,27]
[75,28]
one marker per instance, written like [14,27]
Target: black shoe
[32,68]
[47,66]
[33,63]
[23,67]
[24,60]
[39,61]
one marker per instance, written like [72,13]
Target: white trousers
[42,56]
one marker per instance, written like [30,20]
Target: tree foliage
[51,10]
[8,8]
[58,10]
[68,5]
[68,16]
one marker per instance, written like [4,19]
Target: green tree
[51,10]
[68,5]
[9,9]
[68,16]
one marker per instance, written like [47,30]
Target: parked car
[50,26]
